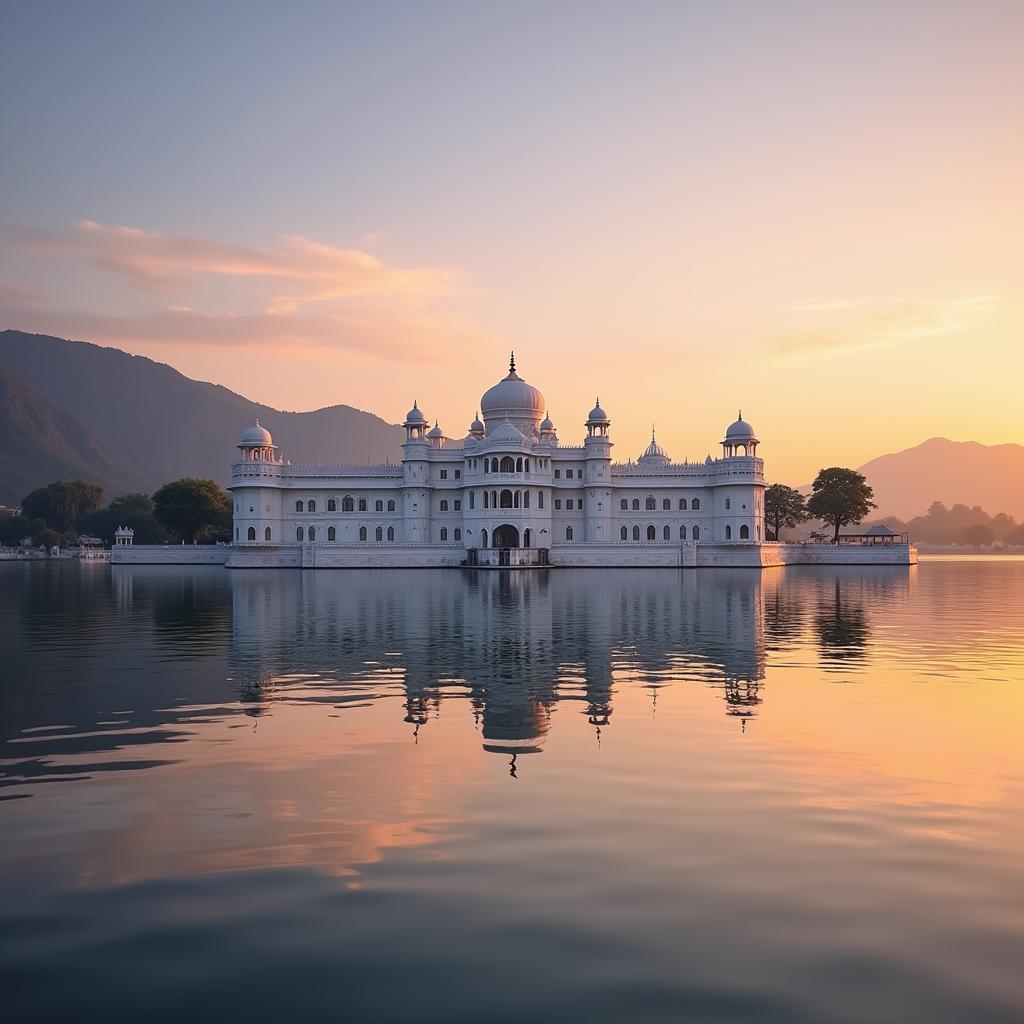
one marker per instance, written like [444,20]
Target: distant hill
[39,443]
[952,472]
[153,422]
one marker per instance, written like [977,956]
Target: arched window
[526,499]
[666,505]
[744,532]
[444,504]
[310,506]
[362,504]
[298,506]
[696,533]
[472,499]
[651,533]
[728,533]
[298,534]
[568,533]
[623,504]
[526,465]
[378,506]
[252,533]
[444,533]
[458,533]
[516,499]
[682,533]
[391,534]
[487,465]
[266,533]
[312,534]
[623,534]
[540,499]
[506,499]
[483,538]
[695,504]
[362,533]
[347,504]
[236,533]
[650,505]
[378,534]
[332,533]
[508,464]
[636,533]
[332,504]
[666,533]
[487,499]
[494,465]
[682,504]
[519,465]
[636,504]
[391,505]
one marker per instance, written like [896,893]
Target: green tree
[192,508]
[47,538]
[61,503]
[979,535]
[133,510]
[840,497]
[14,529]
[784,508]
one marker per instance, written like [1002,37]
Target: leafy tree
[840,497]
[979,535]
[61,503]
[1016,536]
[943,525]
[191,508]
[784,507]
[47,538]
[133,510]
[14,529]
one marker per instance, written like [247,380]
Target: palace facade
[508,493]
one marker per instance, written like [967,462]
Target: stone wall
[169,554]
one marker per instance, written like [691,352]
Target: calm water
[583,796]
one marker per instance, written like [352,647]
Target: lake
[570,795]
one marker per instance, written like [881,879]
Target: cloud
[856,324]
[300,270]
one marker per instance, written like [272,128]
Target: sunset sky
[813,211]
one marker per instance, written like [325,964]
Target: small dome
[597,414]
[741,430]
[257,436]
[414,415]
[435,431]
[476,427]
[506,432]
[546,424]
[654,454]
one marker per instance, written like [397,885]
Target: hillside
[39,443]
[160,425]
[907,482]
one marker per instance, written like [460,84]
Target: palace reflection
[513,646]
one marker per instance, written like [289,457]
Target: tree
[784,507]
[14,529]
[1016,537]
[190,508]
[840,497]
[61,503]
[47,538]
[979,535]
[133,510]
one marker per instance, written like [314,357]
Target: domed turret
[415,423]
[507,432]
[476,428]
[740,439]
[414,415]
[514,400]
[597,421]
[435,435]
[654,454]
[257,445]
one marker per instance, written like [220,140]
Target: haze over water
[580,795]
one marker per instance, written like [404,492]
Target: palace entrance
[505,537]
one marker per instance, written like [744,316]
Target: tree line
[189,510]
[839,497]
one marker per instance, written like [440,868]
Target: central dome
[514,400]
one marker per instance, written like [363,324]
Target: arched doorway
[505,537]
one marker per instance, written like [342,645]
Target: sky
[810,211]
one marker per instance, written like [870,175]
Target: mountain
[907,482]
[160,425]
[39,443]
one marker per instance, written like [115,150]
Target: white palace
[508,493]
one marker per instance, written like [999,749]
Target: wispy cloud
[299,269]
[852,324]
